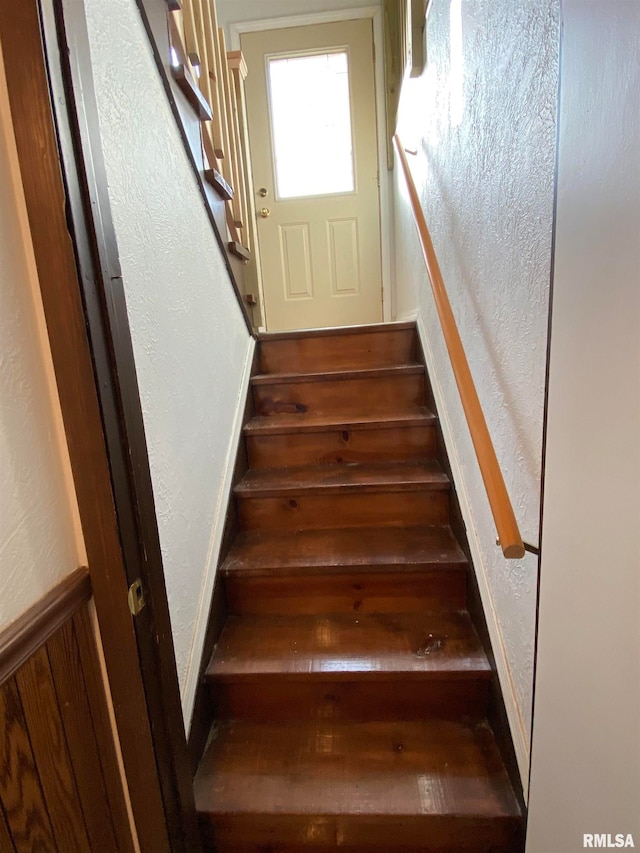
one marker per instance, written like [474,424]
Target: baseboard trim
[215,543]
[512,706]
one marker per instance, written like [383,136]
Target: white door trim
[386,213]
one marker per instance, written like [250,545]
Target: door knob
[265,212]
[263,192]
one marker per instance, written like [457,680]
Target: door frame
[374,13]
[55,123]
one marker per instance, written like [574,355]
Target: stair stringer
[507,720]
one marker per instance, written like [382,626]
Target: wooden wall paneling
[102,722]
[6,842]
[20,791]
[58,758]
[87,756]
[49,744]
[34,627]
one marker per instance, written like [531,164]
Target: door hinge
[136,597]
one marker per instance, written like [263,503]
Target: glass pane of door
[311,124]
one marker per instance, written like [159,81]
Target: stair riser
[344,396]
[280,700]
[378,592]
[317,512]
[331,447]
[339,352]
[426,833]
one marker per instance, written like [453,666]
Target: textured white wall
[586,732]
[39,531]
[190,342]
[482,117]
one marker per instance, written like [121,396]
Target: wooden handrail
[508,533]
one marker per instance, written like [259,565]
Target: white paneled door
[312,126]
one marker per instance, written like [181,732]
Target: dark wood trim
[156,10]
[49,204]
[192,92]
[106,317]
[216,180]
[23,637]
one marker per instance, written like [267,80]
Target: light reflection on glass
[311,124]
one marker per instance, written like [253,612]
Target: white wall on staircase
[482,118]
[191,345]
[585,772]
[40,537]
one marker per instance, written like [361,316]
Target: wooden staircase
[349,683]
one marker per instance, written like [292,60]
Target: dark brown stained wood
[426,783]
[361,591]
[349,686]
[308,512]
[367,570]
[338,550]
[296,377]
[397,699]
[47,207]
[93,678]
[20,792]
[298,423]
[335,331]
[20,639]
[369,347]
[335,446]
[48,741]
[6,842]
[371,647]
[320,834]
[224,190]
[343,479]
[392,389]
[192,92]
[85,752]
[386,666]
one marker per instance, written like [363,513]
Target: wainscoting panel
[60,785]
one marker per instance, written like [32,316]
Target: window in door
[311,124]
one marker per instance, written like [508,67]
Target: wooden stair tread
[344,646]
[332,375]
[424,769]
[322,421]
[340,478]
[310,551]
